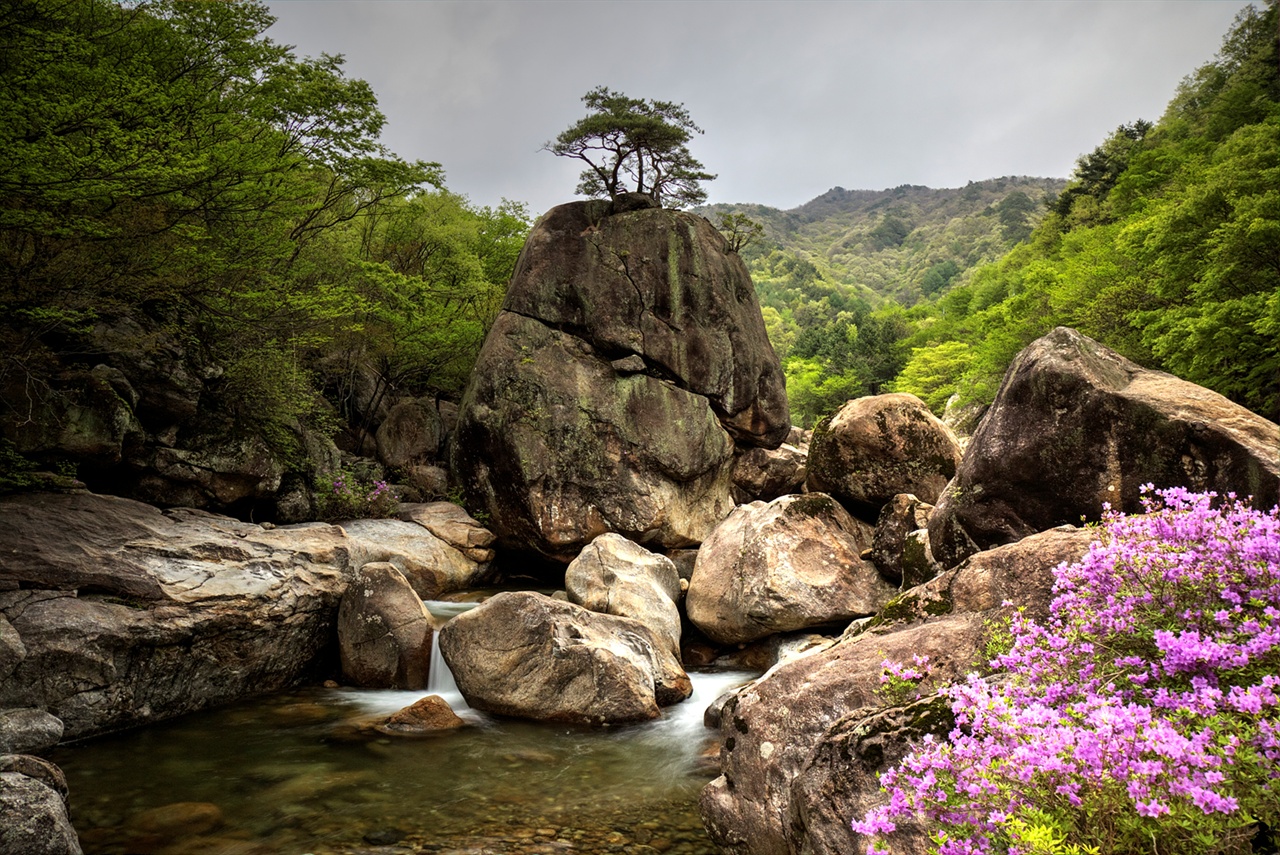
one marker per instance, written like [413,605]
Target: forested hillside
[1164,246]
[833,274]
[186,206]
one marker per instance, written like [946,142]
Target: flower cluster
[901,683]
[1143,715]
[345,495]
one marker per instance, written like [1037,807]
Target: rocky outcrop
[615,576]
[530,656]
[33,808]
[384,631]
[126,614]
[877,447]
[785,565]
[1075,425]
[771,729]
[453,525]
[609,393]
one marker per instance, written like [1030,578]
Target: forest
[176,184]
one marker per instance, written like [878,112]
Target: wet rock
[179,819]
[790,564]
[28,731]
[529,656]
[874,448]
[431,714]
[616,576]
[384,631]
[1076,425]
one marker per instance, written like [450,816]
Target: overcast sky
[795,97]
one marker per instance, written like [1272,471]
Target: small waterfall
[439,678]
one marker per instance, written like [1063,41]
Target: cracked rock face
[629,359]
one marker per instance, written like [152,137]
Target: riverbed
[301,772]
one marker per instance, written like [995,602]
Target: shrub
[345,495]
[1142,716]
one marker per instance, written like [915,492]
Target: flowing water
[302,773]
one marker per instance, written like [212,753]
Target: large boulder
[781,566]
[384,631]
[662,285]
[608,396]
[1075,426]
[127,615]
[559,446]
[771,729]
[616,576]
[531,656]
[877,447]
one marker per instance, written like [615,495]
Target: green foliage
[633,141]
[18,473]
[739,230]
[348,495]
[166,161]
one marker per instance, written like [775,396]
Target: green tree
[740,230]
[633,142]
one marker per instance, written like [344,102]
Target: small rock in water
[427,715]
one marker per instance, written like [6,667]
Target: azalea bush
[901,683]
[1143,716]
[345,495]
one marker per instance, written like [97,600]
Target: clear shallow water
[295,773]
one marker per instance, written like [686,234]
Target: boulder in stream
[616,576]
[384,631]
[527,655]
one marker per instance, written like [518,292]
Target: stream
[296,774]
